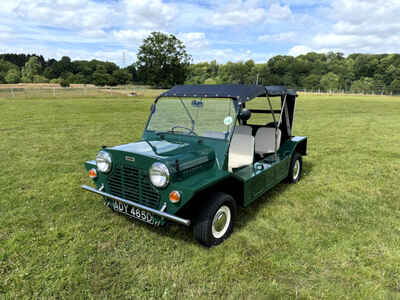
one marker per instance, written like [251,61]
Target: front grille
[132,184]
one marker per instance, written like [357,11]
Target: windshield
[212,118]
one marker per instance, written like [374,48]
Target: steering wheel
[182,127]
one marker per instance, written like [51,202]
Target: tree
[365,84]
[101,77]
[121,76]
[39,79]
[13,76]
[312,81]
[395,86]
[162,60]
[132,71]
[64,83]
[330,81]
[31,68]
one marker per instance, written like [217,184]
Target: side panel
[267,173]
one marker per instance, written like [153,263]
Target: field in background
[334,235]
[48,90]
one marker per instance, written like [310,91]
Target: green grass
[336,234]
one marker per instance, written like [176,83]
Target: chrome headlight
[159,175]
[103,161]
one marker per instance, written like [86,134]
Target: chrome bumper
[137,205]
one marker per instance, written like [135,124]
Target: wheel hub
[221,221]
[296,169]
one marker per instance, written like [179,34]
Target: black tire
[295,168]
[203,228]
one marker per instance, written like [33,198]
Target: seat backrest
[265,140]
[241,150]
[243,129]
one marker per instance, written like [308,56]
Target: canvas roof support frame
[284,111]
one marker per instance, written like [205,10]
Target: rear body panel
[268,172]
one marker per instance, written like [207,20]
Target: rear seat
[265,140]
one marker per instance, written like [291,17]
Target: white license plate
[134,212]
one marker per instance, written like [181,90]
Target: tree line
[312,71]
[162,61]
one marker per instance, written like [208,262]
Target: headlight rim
[107,158]
[163,169]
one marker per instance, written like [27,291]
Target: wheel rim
[221,221]
[296,169]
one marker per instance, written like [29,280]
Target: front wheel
[295,168]
[214,224]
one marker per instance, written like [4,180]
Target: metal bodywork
[197,164]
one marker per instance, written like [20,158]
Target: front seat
[265,140]
[241,150]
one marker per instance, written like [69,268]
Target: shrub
[40,79]
[64,83]
[56,80]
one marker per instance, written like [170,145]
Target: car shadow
[248,214]
[244,216]
[170,229]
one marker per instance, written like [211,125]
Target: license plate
[134,212]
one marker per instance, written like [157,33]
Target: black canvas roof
[278,90]
[241,92]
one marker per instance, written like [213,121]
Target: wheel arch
[301,147]
[230,186]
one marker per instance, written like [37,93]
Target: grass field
[334,235]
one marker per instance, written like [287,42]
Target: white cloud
[131,37]
[277,11]
[148,13]
[194,40]
[299,50]
[93,33]
[65,14]
[279,37]
[361,26]
[246,13]
[237,17]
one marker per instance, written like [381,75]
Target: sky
[220,30]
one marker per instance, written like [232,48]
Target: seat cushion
[265,140]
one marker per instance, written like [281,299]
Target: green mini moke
[201,156]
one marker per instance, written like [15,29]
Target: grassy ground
[336,234]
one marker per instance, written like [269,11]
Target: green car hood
[178,156]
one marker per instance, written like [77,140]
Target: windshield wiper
[164,132]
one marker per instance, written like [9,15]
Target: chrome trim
[137,205]
[107,157]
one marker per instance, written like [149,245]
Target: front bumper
[137,205]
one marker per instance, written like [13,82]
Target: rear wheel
[214,224]
[296,166]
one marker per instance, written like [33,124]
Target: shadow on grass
[170,229]
[248,214]
[244,216]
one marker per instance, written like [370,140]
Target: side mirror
[244,114]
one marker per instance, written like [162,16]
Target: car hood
[178,156]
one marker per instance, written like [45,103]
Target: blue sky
[211,29]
